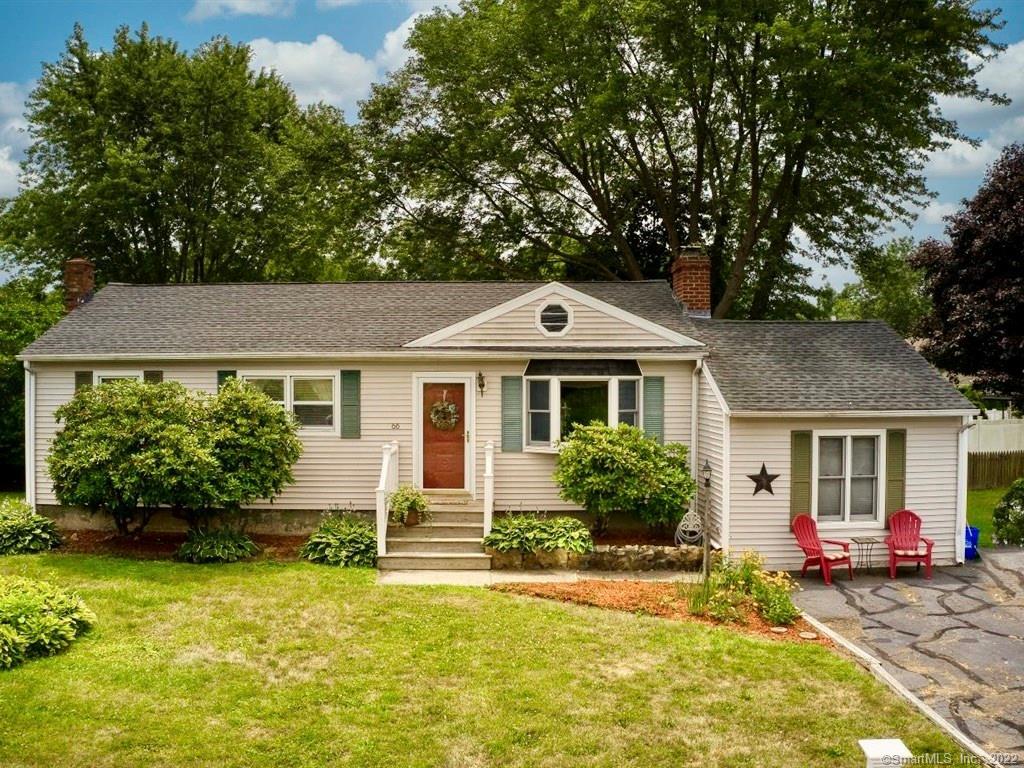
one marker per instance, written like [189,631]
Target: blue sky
[332,50]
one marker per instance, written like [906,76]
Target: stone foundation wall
[605,557]
[281,522]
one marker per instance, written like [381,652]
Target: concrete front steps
[451,541]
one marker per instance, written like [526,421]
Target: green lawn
[979,512]
[291,664]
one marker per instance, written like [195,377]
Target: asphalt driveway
[956,641]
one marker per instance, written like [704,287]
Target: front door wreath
[444,414]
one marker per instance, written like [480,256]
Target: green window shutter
[511,414]
[351,417]
[654,407]
[152,377]
[223,376]
[895,471]
[83,379]
[799,474]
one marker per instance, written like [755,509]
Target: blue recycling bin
[971,543]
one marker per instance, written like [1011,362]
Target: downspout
[30,434]
[960,534]
[698,365]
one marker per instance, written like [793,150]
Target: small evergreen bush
[1008,516]
[344,540]
[22,531]
[38,619]
[218,545]
[530,533]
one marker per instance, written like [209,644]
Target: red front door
[444,435]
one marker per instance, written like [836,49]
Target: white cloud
[962,160]
[318,71]
[935,211]
[323,70]
[208,9]
[1002,75]
[14,138]
[325,5]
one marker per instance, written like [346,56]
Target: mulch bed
[652,598]
[162,546]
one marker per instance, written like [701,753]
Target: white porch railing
[488,485]
[385,487]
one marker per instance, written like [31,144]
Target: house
[464,389]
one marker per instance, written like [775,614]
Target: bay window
[311,398]
[847,469]
[556,404]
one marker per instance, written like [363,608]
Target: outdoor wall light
[481,382]
[705,472]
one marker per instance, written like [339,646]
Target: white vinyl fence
[996,436]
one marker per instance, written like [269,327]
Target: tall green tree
[161,165]
[27,308]
[888,289]
[597,139]
[976,282]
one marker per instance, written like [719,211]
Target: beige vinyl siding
[591,328]
[343,472]
[761,522]
[712,445]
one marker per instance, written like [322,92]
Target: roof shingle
[821,366]
[304,318]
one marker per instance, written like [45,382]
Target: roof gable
[594,323]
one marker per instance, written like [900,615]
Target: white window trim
[555,405]
[335,378]
[879,521]
[544,305]
[98,376]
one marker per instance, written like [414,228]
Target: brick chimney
[79,282]
[691,280]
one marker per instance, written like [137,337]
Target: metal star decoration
[763,481]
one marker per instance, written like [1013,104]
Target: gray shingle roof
[796,366]
[304,318]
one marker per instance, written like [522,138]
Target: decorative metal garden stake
[705,472]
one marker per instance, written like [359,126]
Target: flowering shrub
[734,587]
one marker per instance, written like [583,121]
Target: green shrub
[343,540]
[127,447]
[530,533]
[38,619]
[219,545]
[1008,516]
[22,531]
[408,499]
[735,586]
[620,469]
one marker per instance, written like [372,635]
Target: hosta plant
[38,619]
[23,531]
[344,540]
[218,545]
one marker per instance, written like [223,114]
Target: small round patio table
[865,547]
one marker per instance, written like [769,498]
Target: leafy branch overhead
[596,138]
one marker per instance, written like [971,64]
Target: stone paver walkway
[956,641]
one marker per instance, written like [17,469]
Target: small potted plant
[409,506]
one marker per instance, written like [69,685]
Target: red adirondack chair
[806,532]
[906,544]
